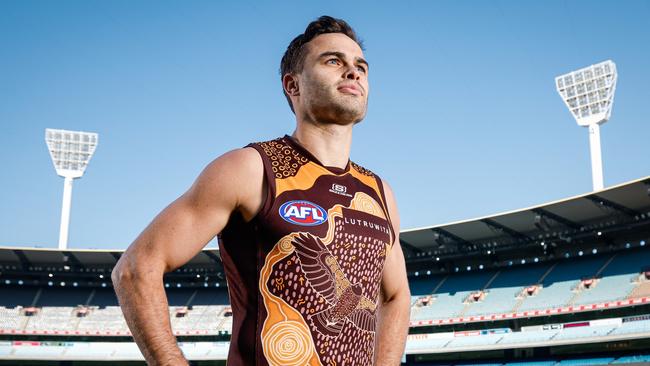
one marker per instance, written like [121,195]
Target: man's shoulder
[276,142]
[240,162]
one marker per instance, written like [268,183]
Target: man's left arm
[396,307]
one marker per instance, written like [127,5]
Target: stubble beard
[328,105]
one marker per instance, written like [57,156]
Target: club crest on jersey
[303,213]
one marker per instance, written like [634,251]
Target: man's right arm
[231,182]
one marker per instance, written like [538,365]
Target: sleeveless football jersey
[304,275]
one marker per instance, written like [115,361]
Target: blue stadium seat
[53,296]
[582,332]
[449,298]
[615,282]
[420,286]
[500,296]
[633,327]
[211,296]
[587,361]
[559,283]
[633,359]
[5,349]
[103,298]
[17,296]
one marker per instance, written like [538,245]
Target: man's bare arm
[234,181]
[395,311]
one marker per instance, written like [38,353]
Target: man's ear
[290,85]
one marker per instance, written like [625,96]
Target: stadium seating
[18,296]
[449,298]
[100,321]
[617,280]
[96,350]
[641,290]
[615,277]
[583,332]
[475,341]
[12,319]
[107,319]
[415,345]
[200,318]
[501,295]
[57,296]
[633,359]
[52,318]
[452,341]
[586,361]
[557,287]
[632,327]
[425,285]
[529,337]
[103,297]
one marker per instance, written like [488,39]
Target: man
[309,239]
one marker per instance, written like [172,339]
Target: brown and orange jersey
[304,275]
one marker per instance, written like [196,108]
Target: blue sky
[463,116]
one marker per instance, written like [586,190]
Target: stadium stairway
[522,297]
[482,293]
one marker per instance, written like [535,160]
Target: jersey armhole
[386,210]
[269,177]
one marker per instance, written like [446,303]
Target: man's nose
[352,73]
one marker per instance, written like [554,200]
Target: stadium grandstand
[564,283]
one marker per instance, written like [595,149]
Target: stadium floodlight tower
[589,95]
[70,152]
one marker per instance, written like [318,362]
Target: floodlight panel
[589,92]
[70,150]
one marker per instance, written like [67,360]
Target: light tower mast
[589,95]
[70,152]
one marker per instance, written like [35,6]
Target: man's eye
[361,69]
[333,61]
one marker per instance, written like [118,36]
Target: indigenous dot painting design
[285,161]
[362,170]
[325,290]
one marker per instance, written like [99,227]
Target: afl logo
[303,213]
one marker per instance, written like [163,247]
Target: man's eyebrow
[341,55]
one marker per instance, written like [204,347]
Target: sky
[463,120]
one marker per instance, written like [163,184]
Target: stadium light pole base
[65,213]
[596,157]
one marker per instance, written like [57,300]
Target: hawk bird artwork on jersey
[326,277]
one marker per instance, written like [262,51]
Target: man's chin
[342,112]
[347,116]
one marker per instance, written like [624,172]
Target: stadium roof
[625,202]
[87,257]
[574,214]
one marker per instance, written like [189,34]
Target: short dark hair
[294,56]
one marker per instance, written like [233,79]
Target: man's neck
[329,143]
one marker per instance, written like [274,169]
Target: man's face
[333,83]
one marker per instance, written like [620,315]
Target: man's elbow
[120,273]
[136,266]
[128,269]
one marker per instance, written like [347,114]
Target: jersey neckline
[333,169]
